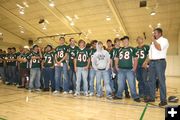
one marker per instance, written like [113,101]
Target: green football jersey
[12,56]
[141,53]
[60,52]
[82,56]
[2,58]
[91,53]
[126,56]
[71,54]
[113,54]
[34,63]
[24,65]
[48,59]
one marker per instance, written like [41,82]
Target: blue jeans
[103,74]
[61,72]
[92,74]
[49,76]
[2,73]
[12,74]
[141,83]
[72,79]
[35,74]
[81,74]
[157,68]
[129,75]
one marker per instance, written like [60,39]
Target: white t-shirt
[154,53]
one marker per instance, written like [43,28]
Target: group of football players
[78,68]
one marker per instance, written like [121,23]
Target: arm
[116,63]
[135,63]
[157,45]
[86,68]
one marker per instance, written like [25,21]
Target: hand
[134,69]
[117,69]
[86,68]
[144,65]
[59,63]
[68,67]
[75,69]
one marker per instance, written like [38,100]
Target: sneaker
[70,92]
[137,100]
[17,85]
[99,96]
[56,92]
[116,97]
[91,94]
[65,93]
[46,90]
[21,86]
[30,90]
[7,83]
[86,94]
[127,96]
[162,104]
[38,90]
[109,97]
[76,94]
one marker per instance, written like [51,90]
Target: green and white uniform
[125,56]
[34,63]
[60,52]
[48,59]
[72,54]
[82,56]
[141,53]
[113,54]
[24,65]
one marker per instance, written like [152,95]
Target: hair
[49,46]
[9,48]
[116,40]
[109,40]
[93,41]
[35,46]
[61,38]
[139,37]
[125,37]
[70,39]
[81,40]
[13,48]
[100,42]
[159,30]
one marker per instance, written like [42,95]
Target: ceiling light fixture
[108,18]
[72,23]
[51,3]
[153,13]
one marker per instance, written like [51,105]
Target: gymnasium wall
[173,61]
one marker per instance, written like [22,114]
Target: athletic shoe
[70,92]
[99,96]
[162,104]
[116,97]
[127,96]
[109,97]
[7,83]
[46,90]
[76,94]
[30,90]
[65,93]
[137,100]
[56,92]
[21,86]
[86,94]
[38,90]
[91,94]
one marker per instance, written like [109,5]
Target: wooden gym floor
[19,104]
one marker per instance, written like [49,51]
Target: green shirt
[24,65]
[126,56]
[142,53]
[34,63]
[11,56]
[71,54]
[48,59]
[82,56]
[2,58]
[113,54]
[60,52]
[91,53]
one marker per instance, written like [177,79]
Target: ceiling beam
[20,21]
[117,15]
[58,15]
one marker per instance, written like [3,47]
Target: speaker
[30,42]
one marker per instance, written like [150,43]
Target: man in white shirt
[157,66]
